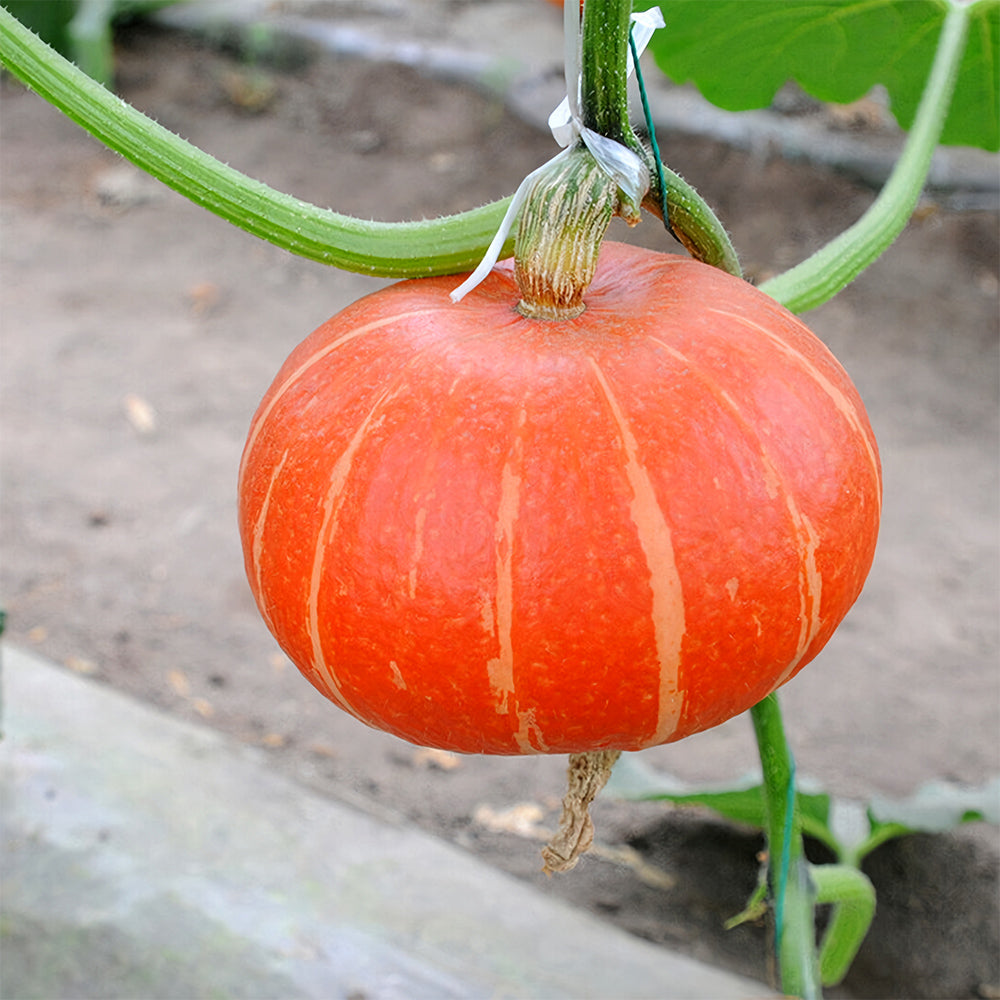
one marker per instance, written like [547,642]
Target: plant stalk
[569,207]
[693,223]
[446,245]
[406,249]
[818,278]
[604,96]
[852,896]
[788,873]
[563,223]
[604,71]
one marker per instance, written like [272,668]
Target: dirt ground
[139,333]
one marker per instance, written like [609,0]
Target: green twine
[781,883]
[652,133]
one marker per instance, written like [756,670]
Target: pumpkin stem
[587,774]
[571,203]
[566,214]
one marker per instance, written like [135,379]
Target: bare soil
[139,333]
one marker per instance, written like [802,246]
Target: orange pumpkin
[492,534]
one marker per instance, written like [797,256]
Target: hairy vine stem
[821,276]
[409,249]
[446,245]
[604,97]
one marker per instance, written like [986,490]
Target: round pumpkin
[493,534]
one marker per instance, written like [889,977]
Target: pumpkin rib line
[500,669]
[257,544]
[332,503]
[810,580]
[260,418]
[841,403]
[667,597]
[341,474]
[810,588]
[441,430]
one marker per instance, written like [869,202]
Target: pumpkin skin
[492,534]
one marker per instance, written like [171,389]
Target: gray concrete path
[145,857]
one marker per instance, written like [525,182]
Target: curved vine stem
[851,895]
[604,94]
[405,249]
[446,245]
[456,243]
[697,228]
[818,278]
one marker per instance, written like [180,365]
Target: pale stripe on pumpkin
[257,547]
[807,539]
[332,503]
[654,537]
[500,669]
[810,588]
[844,406]
[260,418]
[418,549]
[810,580]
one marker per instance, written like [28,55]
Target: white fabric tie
[620,163]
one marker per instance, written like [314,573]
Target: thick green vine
[836,265]
[604,96]
[409,249]
[446,245]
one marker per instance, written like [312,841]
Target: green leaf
[934,808]
[741,801]
[939,806]
[740,52]
[850,829]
